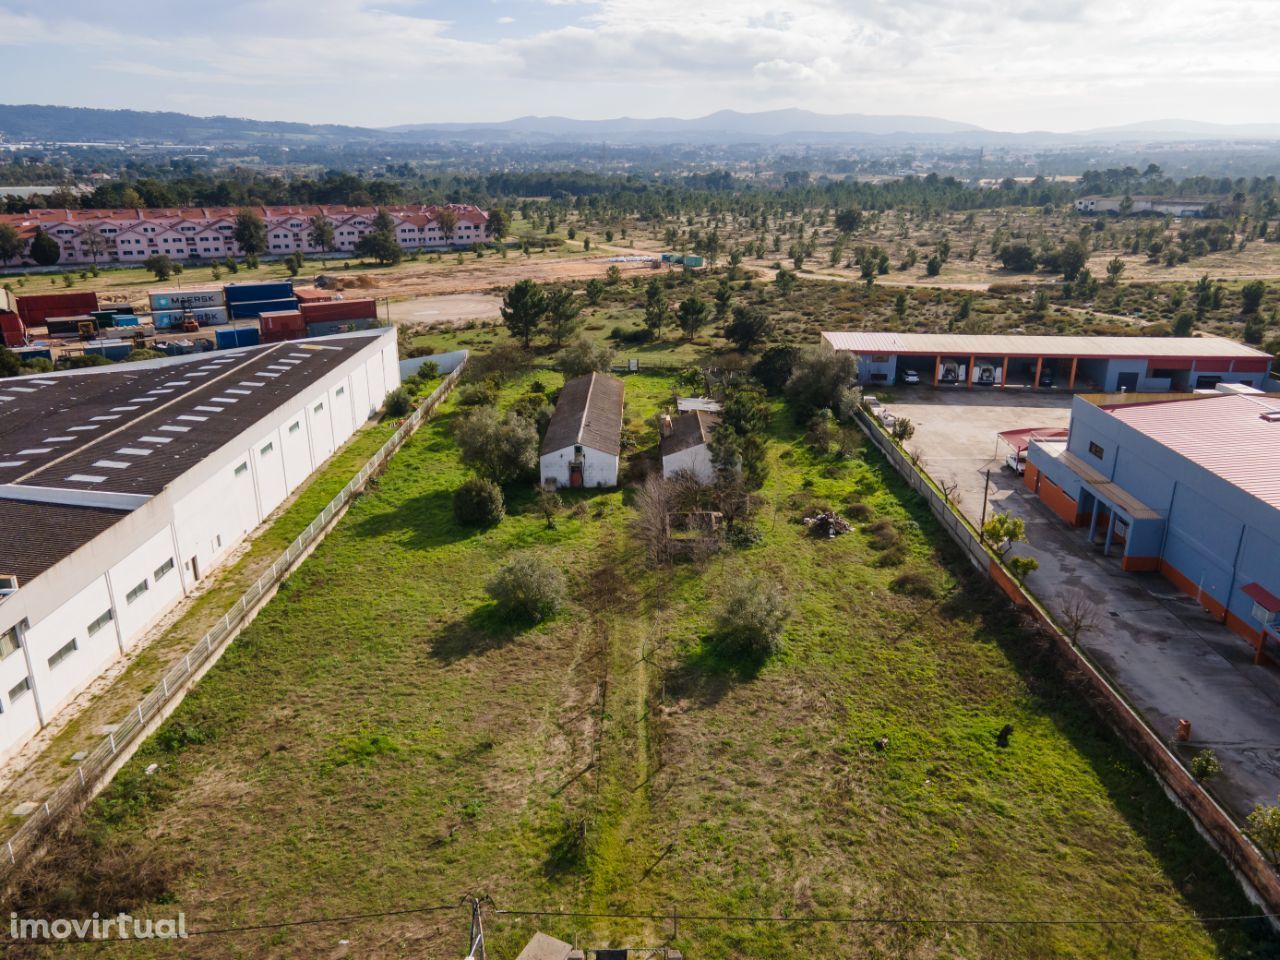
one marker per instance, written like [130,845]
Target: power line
[893,920]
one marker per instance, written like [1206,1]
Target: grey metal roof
[1016,345]
[589,412]
[688,430]
[35,536]
[136,428]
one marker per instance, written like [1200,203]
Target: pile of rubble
[827,525]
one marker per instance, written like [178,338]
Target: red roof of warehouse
[1019,345]
[1235,437]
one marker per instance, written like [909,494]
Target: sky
[1003,64]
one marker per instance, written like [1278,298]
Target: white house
[584,437]
[685,445]
[122,487]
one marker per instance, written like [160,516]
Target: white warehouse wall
[201,516]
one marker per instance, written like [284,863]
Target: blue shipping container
[253,309]
[237,337]
[257,292]
[126,321]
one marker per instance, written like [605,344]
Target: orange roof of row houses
[466,213]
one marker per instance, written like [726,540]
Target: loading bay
[1172,659]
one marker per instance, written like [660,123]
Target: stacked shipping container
[339,316]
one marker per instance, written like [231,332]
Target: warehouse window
[295,427]
[267,449]
[64,651]
[164,568]
[19,689]
[340,391]
[318,407]
[1095,449]
[101,622]
[241,469]
[9,642]
[137,591]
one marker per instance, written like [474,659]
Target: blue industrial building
[1188,487]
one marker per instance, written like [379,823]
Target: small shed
[685,445]
[584,438]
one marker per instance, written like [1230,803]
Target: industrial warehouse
[1188,486]
[121,488]
[1095,364]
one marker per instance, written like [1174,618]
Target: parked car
[910,376]
[1046,378]
[873,403]
[1017,462]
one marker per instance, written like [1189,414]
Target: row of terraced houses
[207,233]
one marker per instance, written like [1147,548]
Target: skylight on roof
[134,451]
[174,428]
[203,408]
[90,426]
[112,464]
[192,416]
[243,393]
[12,463]
[21,389]
[86,478]
[252,383]
[31,450]
[123,409]
[57,439]
[107,416]
[151,438]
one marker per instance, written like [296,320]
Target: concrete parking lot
[1171,658]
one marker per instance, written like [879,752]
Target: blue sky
[1005,64]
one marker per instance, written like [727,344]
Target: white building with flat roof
[122,487]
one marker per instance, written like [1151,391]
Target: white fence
[92,772]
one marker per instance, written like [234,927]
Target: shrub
[582,356]
[1205,765]
[914,583]
[478,503]
[398,402]
[480,394]
[883,534]
[500,448]
[528,586]
[752,618]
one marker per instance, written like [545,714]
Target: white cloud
[1009,64]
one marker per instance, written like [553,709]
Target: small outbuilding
[584,438]
[685,445]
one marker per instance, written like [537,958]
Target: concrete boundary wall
[96,770]
[1256,874]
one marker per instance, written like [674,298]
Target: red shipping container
[339,310]
[312,295]
[36,308]
[280,325]
[12,330]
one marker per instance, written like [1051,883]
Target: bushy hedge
[528,587]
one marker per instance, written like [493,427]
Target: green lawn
[380,738]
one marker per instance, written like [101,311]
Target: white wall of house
[599,469]
[694,460]
[196,521]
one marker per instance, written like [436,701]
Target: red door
[575,474]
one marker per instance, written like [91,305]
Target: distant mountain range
[78,124]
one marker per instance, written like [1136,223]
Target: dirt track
[490,275]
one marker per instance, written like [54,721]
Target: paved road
[1171,658]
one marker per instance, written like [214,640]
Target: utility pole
[476,939]
[986,487]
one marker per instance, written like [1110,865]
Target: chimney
[664,425]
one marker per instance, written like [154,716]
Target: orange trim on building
[1006,583]
[1140,564]
[1030,478]
[1056,499]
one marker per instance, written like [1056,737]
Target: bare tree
[1079,615]
[652,523]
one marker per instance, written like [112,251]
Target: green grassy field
[381,739]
